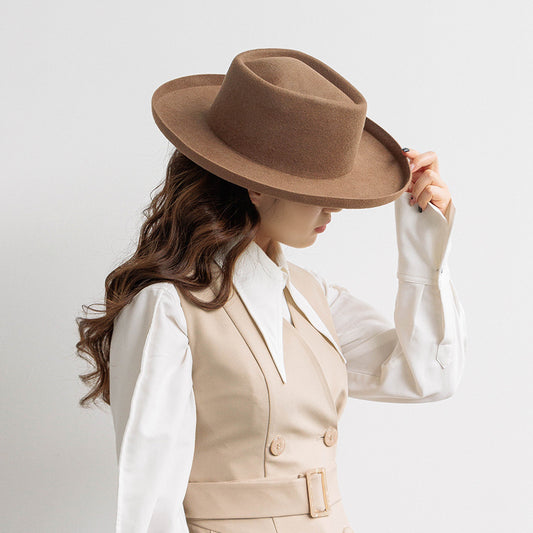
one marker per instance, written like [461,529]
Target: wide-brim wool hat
[284,123]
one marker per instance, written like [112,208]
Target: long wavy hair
[193,216]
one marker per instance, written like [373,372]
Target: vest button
[347,530]
[277,445]
[330,436]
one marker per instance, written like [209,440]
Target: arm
[154,414]
[419,358]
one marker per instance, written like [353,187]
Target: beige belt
[312,492]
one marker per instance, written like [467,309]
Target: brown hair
[194,215]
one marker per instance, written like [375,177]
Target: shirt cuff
[424,241]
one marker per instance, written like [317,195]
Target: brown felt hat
[284,123]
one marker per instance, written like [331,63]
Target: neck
[267,244]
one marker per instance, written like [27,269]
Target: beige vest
[264,458]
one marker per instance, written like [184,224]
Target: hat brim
[380,173]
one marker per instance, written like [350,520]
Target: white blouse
[418,359]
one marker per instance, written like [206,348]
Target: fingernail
[411,166]
[419,209]
[405,149]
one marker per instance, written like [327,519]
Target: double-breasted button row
[277,445]
[330,436]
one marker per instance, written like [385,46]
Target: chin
[298,244]
[309,242]
[302,242]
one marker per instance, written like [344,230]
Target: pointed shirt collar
[260,281]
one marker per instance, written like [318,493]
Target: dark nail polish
[419,209]
[405,149]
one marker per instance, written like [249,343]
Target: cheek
[302,221]
[292,220]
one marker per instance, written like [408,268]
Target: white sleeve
[153,408]
[419,358]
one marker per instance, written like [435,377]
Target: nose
[333,209]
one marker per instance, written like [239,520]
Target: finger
[424,198]
[420,161]
[440,197]
[419,186]
[410,153]
[426,159]
[415,177]
[427,177]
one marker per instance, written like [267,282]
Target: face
[288,222]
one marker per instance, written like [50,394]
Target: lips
[323,225]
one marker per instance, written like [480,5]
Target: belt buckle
[317,512]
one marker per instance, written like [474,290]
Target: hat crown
[294,75]
[294,114]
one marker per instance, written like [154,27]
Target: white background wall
[81,153]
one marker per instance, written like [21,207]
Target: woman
[226,366]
